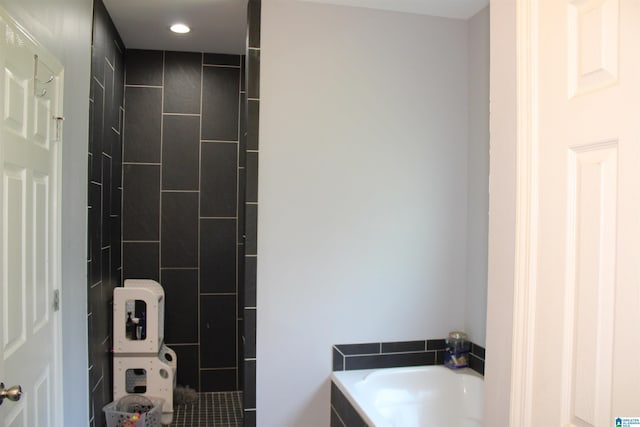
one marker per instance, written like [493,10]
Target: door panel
[587,170]
[30,105]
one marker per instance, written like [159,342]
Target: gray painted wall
[478,177]
[364,190]
[64,28]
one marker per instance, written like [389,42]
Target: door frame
[513,206]
[526,227]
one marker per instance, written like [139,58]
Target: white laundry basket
[134,411]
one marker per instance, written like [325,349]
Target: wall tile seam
[95,387]
[99,82]
[391,353]
[222,141]
[477,357]
[171,113]
[223,368]
[337,415]
[221,66]
[128,162]
[143,86]
[231,218]
[183,344]
[217,294]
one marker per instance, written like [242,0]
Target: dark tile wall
[347,357]
[249,215]
[181,216]
[343,414]
[104,203]
[476,358]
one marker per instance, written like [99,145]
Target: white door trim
[526,227]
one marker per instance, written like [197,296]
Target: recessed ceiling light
[180,28]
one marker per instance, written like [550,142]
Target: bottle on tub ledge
[457,351]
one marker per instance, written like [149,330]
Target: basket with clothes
[134,411]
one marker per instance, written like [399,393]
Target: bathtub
[413,397]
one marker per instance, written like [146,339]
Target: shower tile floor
[220,409]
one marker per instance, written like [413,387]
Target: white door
[585,245]
[30,103]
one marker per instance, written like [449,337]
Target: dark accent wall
[251,105]
[182,170]
[104,206]
[377,355]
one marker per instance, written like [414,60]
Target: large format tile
[142,124]
[97,126]
[181,314]
[182,82]
[218,186]
[252,177]
[179,229]
[220,103]
[141,202]
[95,232]
[180,152]
[217,255]
[221,59]
[144,67]
[141,260]
[188,373]
[253,74]
[218,380]
[217,331]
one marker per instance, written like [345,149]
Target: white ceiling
[219,26]
[458,9]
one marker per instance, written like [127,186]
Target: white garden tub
[421,396]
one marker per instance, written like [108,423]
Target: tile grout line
[199,284]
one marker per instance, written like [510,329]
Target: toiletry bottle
[137,334]
[129,328]
[143,324]
[457,351]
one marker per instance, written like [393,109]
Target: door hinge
[58,120]
[56,300]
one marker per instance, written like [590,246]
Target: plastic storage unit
[142,364]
